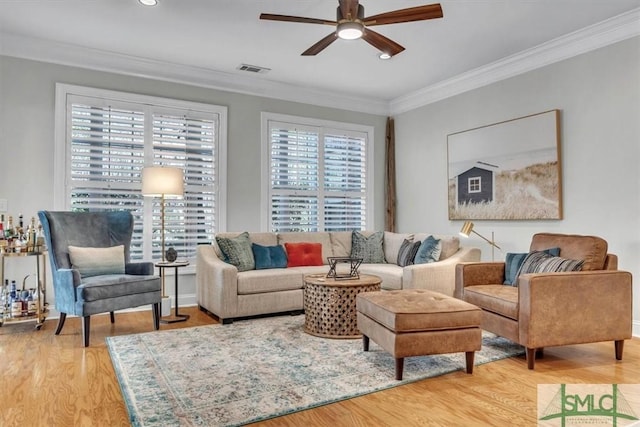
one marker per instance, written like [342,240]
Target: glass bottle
[16,304]
[8,232]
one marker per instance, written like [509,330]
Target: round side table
[330,304]
[177,317]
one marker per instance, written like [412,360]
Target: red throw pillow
[303,254]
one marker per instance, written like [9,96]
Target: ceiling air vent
[253,68]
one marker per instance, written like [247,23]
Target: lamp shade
[467,227]
[162,181]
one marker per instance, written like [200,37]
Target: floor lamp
[166,182]
[467,229]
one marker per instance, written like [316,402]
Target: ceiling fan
[352,24]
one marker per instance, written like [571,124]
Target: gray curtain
[390,177]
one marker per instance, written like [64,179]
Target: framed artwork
[507,171]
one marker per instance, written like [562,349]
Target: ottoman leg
[399,368]
[365,342]
[469,355]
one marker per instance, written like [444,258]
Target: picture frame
[509,170]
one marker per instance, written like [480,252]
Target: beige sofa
[228,294]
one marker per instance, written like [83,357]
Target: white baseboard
[636,328]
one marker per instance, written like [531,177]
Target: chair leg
[113,317]
[365,342]
[155,308]
[619,347]
[63,317]
[399,368]
[470,356]
[531,357]
[85,330]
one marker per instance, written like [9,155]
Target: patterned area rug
[257,369]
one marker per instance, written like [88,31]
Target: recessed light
[384,55]
[148,2]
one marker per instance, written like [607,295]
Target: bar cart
[25,304]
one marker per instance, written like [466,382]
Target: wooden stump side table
[330,304]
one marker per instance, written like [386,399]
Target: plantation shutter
[106,160]
[345,182]
[109,144]
[317,178]
[187,142]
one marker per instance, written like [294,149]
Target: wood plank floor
[50,380]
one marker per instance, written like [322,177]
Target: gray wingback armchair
[84,290]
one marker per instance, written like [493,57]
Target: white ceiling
[216,36]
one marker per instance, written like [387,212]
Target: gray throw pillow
[237,251]
[370,248]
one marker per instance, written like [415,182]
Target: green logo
[588,404]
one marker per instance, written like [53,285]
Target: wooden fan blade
[287,18]
[382,43]
[419,13]
[321,45]
[349,8]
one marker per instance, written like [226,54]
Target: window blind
[318,178]
[110,142]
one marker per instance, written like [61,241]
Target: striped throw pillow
[407,252]
[542,262]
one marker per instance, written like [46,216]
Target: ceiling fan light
[384,55]
[350,30]
[148,2]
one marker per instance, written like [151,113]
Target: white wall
[598,94]
[27,90]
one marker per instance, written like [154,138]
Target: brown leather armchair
[553,309]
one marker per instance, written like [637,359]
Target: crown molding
[613,30]
[100,60]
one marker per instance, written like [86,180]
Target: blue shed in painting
[475,185]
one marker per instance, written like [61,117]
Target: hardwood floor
[50,380]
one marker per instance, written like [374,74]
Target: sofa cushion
[115,285]
[272,280]
[97,261]
[269,256]
[450,244]
[237,251]
[391,245]
[341,243]
[591,249]
[368,248]
[498,299]
[303,253]
[407,253]
[513,261]
[391,274]
[429,251]
[322,237]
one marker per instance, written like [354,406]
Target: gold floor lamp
[166,182]
[467,229]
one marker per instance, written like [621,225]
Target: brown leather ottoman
[417,322]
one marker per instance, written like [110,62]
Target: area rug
[257,369]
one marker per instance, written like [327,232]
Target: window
[317,175]
[475,184]
[108,137]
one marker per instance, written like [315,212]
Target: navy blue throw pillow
[269,256]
